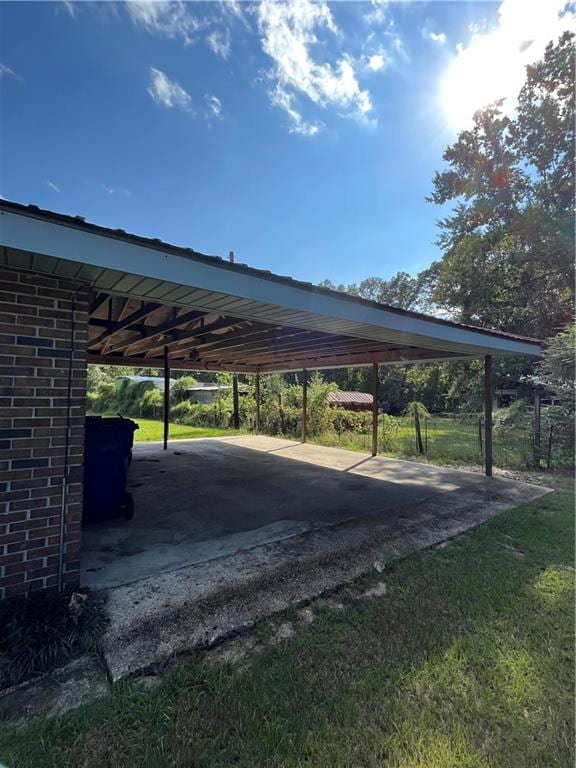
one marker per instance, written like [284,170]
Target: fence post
[166,397]
[488,414]
[257,397]
[236,412]
[375,404]
[304,403]
[480,446]
[419,445]
[549,454]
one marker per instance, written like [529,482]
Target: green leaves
[509,242]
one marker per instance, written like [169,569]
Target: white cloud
[284,100]
[69,7]
[290,36]
[213,106]
[219,42]
[110,191]
[493,64]
[170,19]
[53,187]
[176,19]
[435,37]
[6,71]
[376,61]
[168,93]
[378,13]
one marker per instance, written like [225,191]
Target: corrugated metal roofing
[341,397]
[287,324]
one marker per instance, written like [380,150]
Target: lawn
[151,429]
[467,662]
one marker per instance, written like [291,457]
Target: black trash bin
[107,454]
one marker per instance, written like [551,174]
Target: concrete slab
[78,682]
[200,605]
[205,499]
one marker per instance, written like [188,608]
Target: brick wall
[36,325]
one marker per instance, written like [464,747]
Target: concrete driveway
[205,499]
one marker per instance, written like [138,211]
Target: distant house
[352,401]
[205,392]
[505,396]
[201,391]
[158,381]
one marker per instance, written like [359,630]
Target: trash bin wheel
[128,508]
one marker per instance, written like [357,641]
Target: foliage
[555,372]
[388,433]
[516,416]
[42,631]
[509,242]
[402,290]
[180,388]
[152,402]
[417,409]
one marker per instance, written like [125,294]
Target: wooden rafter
[113,327]
[100,299]
[157,330]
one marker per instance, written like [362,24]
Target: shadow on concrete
[204,499]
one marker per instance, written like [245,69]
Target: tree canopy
[508,244]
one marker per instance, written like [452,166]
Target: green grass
[151,429]
[466,663]
[450,441]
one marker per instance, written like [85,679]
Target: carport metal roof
[210,314]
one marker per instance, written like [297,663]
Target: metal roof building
[73,293]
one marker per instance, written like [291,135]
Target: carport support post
[375,386]
[257,398]
[166,396]
[488,414]
[304,402]
[236,414]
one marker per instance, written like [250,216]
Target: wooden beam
[235,404]
[488,414]
[300,343]
[157,330]
[375,389]
[100,299]
[312,349]
[344,360]
[304,404]
[268,339]
[257,397]
[114,327]
[166,397]
[175,365]
[218,325]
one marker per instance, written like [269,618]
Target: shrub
[180,389]
[388,432]
[152,403]
[344,420]
[42,631]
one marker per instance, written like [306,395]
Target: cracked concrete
[395,508]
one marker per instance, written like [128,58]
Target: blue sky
[302,135]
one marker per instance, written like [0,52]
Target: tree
[509,242]
[402,290]
[555,371]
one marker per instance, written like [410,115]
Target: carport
[77,293]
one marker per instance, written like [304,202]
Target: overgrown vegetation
[456,666]
[455,438]
[42,631]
